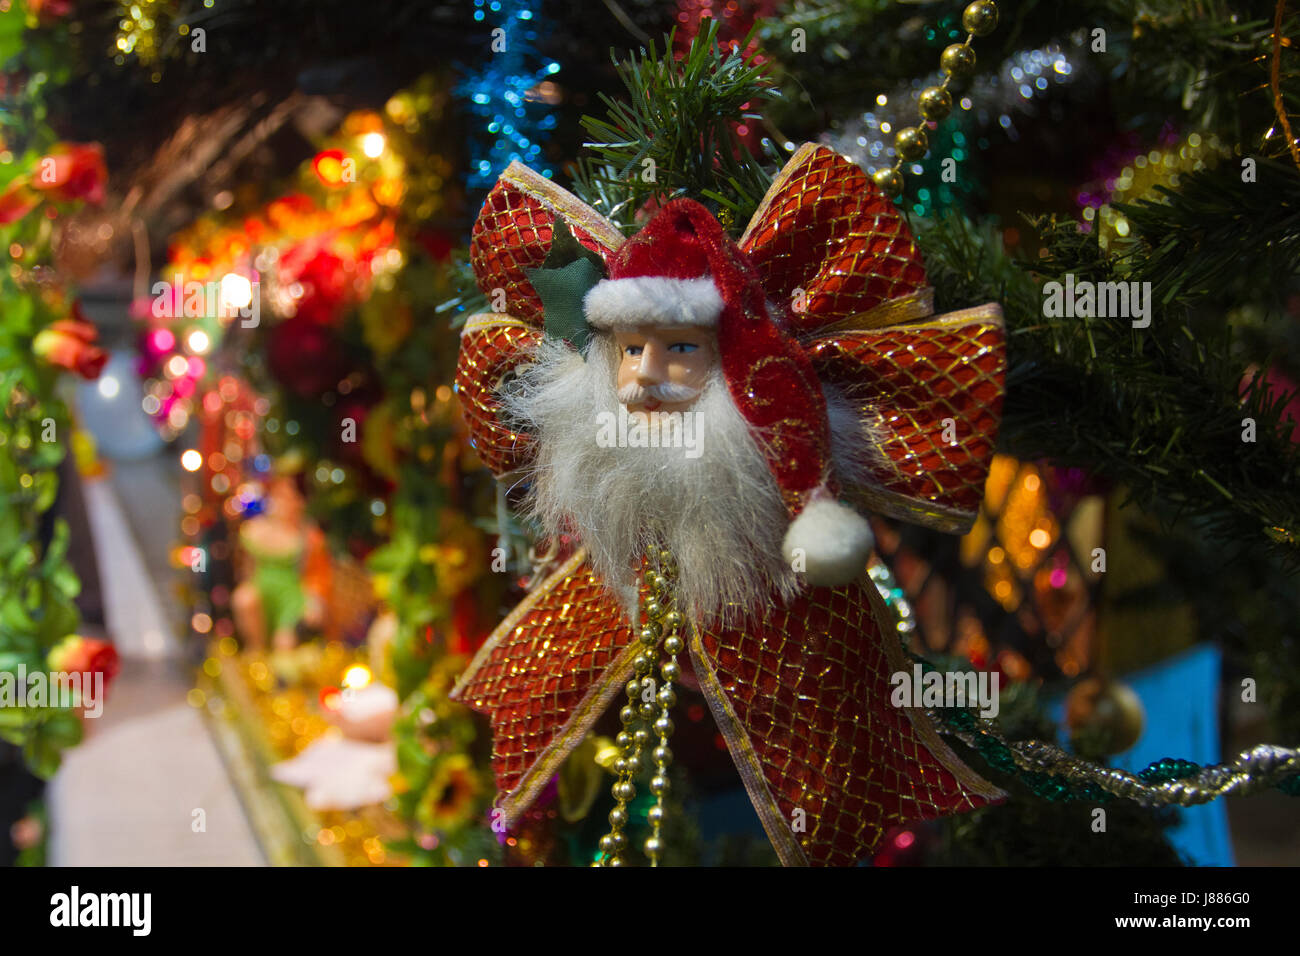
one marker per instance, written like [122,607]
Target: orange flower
[70,344]
[86,656]
[17,201]
[73,171]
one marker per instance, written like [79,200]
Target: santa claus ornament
[707,421]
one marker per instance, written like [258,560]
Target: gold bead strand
[630,740]
[635,737]
[957,62]
[662,756]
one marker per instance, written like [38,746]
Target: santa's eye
[633,350]
[683,347]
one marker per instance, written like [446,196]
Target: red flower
[70,344]
[73,171]
[326,282]
[86,656]
[17,201]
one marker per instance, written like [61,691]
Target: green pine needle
[675,133]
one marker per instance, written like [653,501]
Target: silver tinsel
[998,100]
[1253,770]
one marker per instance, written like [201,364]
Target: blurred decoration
[1105,717]
[1183,690]
[139,23]
[736,20]
[1127,173]
[43,183]
[1019,592]
[295,311]
[511,92]
[272,706]
[111,409]
[330,480]
[989,107]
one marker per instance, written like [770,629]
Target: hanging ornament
[786,633]
[1106,714]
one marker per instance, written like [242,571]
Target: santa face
[664,369]
[718,510]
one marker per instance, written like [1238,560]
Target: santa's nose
[651,369]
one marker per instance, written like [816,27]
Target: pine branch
[1158,410]
[1219,238]
[675,133]
[1205,64]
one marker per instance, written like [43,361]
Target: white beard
[718,509]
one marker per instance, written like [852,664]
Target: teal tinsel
[1169,768]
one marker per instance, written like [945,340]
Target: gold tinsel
[1163,166]
[137,31]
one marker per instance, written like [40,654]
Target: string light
[506,93]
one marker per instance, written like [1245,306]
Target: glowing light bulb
[109,386]
[372,144]
[191,460]
[356,676]
[236,291]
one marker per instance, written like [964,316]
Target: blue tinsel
[496,91]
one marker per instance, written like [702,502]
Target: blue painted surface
[1181,699]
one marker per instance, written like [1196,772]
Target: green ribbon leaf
[564,278]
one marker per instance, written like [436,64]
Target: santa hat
[682,269]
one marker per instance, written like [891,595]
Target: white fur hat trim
[653,300]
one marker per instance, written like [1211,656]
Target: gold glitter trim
[901,311]
[777,189]
[895,504]
[989,314]
[568,737]
[486,321]
[512,619]
[574,210]
[746,760]
[920,718]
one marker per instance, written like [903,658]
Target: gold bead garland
[957,61]
[647,705]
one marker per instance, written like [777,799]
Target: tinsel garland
[994,100]
[1056,775]
[509,93]
[1053,774]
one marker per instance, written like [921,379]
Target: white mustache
[633,393]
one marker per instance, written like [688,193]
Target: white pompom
[829,543]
